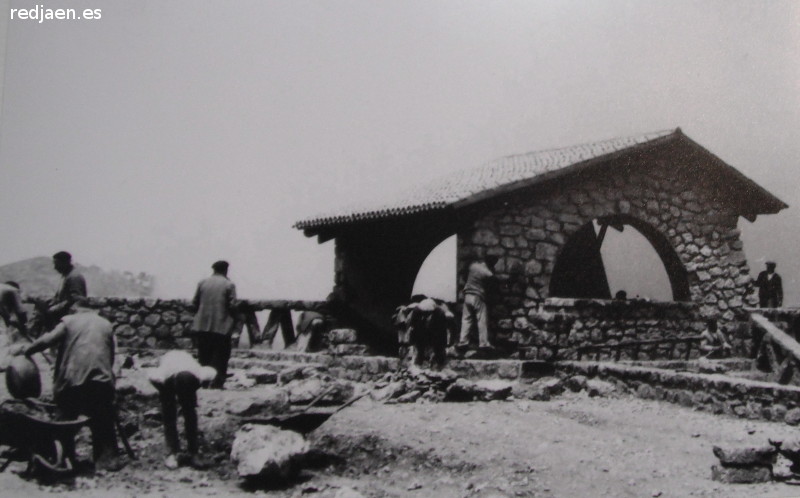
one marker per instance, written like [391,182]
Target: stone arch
[579,273]
[376,267]
[435,276]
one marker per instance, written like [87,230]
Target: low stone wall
[165,323]
[372,368]
[558,326]
[715,393]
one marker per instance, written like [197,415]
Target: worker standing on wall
[214,321]
[474,313]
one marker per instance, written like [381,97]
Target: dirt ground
[572,446]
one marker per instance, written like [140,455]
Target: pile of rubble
[417,385]
[238,419]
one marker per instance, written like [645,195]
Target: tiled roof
[498,175]
[467,183]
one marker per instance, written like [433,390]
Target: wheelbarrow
[36,436]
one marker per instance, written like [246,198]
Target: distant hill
[37,277]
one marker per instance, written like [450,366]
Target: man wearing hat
[770,287]
[215,304]
[72,290]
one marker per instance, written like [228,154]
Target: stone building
[544,214]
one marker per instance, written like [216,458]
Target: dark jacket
[72,290]
[770,290]
[215,302]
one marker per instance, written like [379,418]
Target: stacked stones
[717,394]
[344,341]
[164,323]
[665,201]
[558,326]
[744,465]
[148,323]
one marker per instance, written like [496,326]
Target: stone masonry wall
[718,394]
[557,326]
[529,228]
[164,323]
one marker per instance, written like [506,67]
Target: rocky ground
[571,445]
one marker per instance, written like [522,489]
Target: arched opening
[436,276]
[602,258]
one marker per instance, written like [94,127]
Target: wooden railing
[775,351]
[635,348]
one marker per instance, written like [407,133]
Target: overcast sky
[169,134]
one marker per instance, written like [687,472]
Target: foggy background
[169,134]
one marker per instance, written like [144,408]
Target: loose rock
[264,451]
[482,390]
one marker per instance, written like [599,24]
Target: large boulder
[266,452]
[266,403]
[481,390]
[306,390]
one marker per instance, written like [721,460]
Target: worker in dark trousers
[177,379]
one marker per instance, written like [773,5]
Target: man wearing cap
[83,379]
[770,287]
[215,305]
[71,291]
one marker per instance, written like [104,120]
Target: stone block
[267,452]
[741,475]
[482,390]
[597,387]
[484,237]
[262,375]
[533,392]
[350,349]
[510,230]
[576,383]
[793,416]
[745,455]
[546,251]
[169,317]
[124,331]
[269,402]
[508,242]
[342,336]
[535,234]
[162,332]
[552,226]
[552,385]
